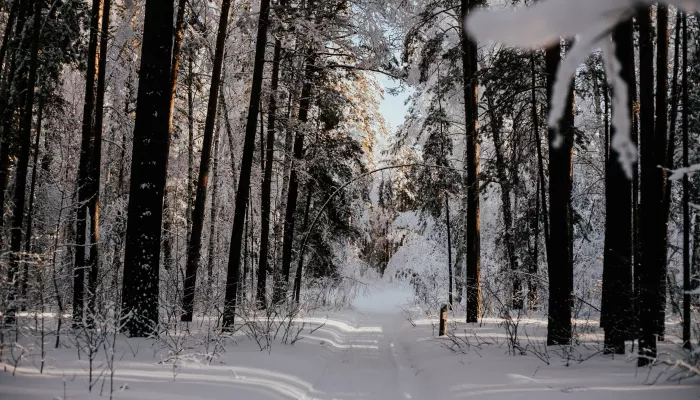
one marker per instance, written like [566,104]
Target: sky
[393,108]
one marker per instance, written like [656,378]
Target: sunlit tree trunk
[96,161]
[86,146]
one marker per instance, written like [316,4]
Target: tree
[95,163]
[473,229]
[24,149]
[559,251]
[148,170]
[267,175]
[661,129]
[85,184]
[292,195]
[243,189]
[195,243]
[653,152]
[617,268]
[686,202]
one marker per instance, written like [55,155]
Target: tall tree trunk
[213,211]
[289,219]
[243,192]
[174,74]
[686,203]
[649,275]
[190,146]
[541,189]
[148,170]
[7,36]
[450,294]
[661,130]
[88,137]
[506,206]
[95,161]
[286,172]
[305,226]
[175,63]
[617,264]
[195,243]
[32,189]
[267,178]
[559,255]
[24,150]
[671,142]
[473,234]
[7,105]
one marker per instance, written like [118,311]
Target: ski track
[369,352]
[375,365]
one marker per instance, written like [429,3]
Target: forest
[192,188]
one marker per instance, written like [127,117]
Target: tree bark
[23,158]
[88,137]
[292,196]
[686,203]
[95,161]
[243,192]
[542,191]
[174,74]
[213,210]
[473,229]
[617,264]
[32,189]
[506,206]
[671,142]
[148,170]
[195,243]
[7,106]
[297,279]
[267,179]
[8,33]
[559,255]
[649,274]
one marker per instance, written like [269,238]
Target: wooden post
[443,319]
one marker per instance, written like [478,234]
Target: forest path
[374,363]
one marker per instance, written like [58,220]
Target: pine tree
[243,190]
[617,268]
[148,170]
[195,243]
[85,185]
[559,252]
[473,229]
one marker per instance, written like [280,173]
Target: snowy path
[374,364]
[370,352]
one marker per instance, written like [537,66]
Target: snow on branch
[591,22]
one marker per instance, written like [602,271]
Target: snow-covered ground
[369,352]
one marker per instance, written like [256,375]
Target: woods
[189,166]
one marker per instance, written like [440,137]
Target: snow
[370,351]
